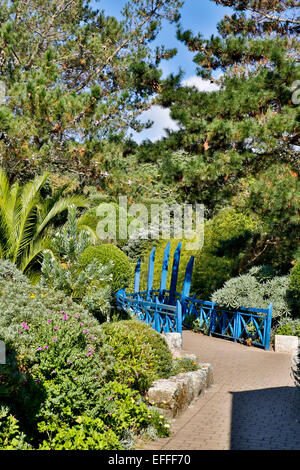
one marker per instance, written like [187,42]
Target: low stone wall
[175,394]
[287,344]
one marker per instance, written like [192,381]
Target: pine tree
[252,121]
[72,76]
[243,140]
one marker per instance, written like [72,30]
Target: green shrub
[9,272]
[289,327]
[184,364]
[87,286]
[122,271]
[294,287]
[251,292]
[141,354]
[57,373]
[226,238]
[88,434]
[11,438]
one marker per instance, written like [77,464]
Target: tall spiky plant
[25,218]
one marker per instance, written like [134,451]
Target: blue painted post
[179,319]
[150,273]
[268,327]
[164,271]
[156,317]
[212,318]
[237,326]
[137,276]
[174,277]
[187,285]
[188,278]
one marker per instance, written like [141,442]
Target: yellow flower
[64,265]
[32,296]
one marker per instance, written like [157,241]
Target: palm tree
[25,218]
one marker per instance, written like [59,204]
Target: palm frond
[60,206]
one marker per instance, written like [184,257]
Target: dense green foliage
[239,144]
[57,378]
[71,71]
[74,81]
[142,354]
[227,237]
[107,254]
[294,286]
[88,285]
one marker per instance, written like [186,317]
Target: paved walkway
[253,403]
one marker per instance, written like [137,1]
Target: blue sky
[197,15]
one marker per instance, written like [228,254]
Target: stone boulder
[175,394]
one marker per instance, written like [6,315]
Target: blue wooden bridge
[169,310]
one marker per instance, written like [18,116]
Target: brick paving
[253,403]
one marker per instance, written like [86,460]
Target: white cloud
[161,116]
[161,119]
[200,84]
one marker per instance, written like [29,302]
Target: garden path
[253,403]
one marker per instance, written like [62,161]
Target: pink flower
[56,328]
[75,378]
[62,311]
[65,317]
[25,326]
[46,347]
[53,372]
[49,321]
[39,349]
[54,339]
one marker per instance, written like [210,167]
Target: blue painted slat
[174,277]
[137,276]
[150,272]
[268,327]
[164,271]
[188,278]
[179,318]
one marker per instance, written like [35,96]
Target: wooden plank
[174,277]
[137,276]
[164,271]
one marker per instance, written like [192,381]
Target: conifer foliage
[71,76]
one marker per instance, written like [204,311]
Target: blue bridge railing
[169,311]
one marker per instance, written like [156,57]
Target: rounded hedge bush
[141,354]
[122,270]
